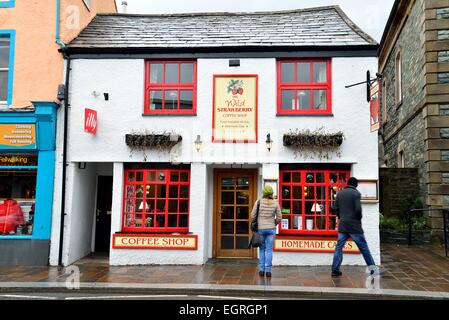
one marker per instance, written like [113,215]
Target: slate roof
[322,26]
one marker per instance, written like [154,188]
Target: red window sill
[307,233]
[304,113]
[190,113]
[155,230]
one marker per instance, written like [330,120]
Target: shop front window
[17,201]
[306,200]
[304,86]
[156,200]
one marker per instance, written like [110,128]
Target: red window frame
[330,229]
[169,87]
[131,201]
[304,86]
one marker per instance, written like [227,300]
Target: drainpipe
[58,17]
[64,144]
[64,153]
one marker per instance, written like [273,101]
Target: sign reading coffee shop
[235,108]
[320,245]
[163,242]
[17,136]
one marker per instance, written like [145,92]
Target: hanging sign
[235,108]
[90,121]
[319,245]
[375,107]
[17,136]
[155,241]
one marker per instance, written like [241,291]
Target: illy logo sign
[90,121]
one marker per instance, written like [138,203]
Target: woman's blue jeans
[266,249]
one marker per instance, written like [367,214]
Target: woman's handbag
[254,226]
[255,239]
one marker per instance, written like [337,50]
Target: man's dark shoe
[261,273]
[336,273]
[268,274]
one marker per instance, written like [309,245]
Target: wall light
[198,143]
[269,142]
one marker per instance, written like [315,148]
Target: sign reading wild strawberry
[90,121]
[235,108]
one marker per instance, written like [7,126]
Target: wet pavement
[417,268]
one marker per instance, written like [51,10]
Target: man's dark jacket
[349,210]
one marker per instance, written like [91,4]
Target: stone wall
[404,127]
[396,185]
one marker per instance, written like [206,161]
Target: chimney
[124,6]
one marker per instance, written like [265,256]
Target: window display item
[11,217]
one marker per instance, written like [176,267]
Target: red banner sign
[90,121]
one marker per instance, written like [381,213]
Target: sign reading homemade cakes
[17,136]
[235,108]
[319,245]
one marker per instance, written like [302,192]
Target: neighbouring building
[176,122]
[414,63]
[31,69]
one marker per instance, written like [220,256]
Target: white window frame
[7,70]
[398,78]
[401,155]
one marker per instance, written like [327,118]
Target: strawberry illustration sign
[90,121]
[235,108]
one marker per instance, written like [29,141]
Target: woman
[268,217]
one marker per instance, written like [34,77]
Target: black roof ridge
[221,13]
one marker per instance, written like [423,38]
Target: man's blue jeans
[266,249]
[360,240]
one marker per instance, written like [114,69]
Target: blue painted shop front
[27,167]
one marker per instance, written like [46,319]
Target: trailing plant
[318,143]
[160,141]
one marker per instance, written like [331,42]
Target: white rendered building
[185,105]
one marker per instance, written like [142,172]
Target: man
[348,208]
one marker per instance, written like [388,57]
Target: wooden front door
[235,194]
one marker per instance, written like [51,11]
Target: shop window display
[17,202]
[306,200]
[156,200]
